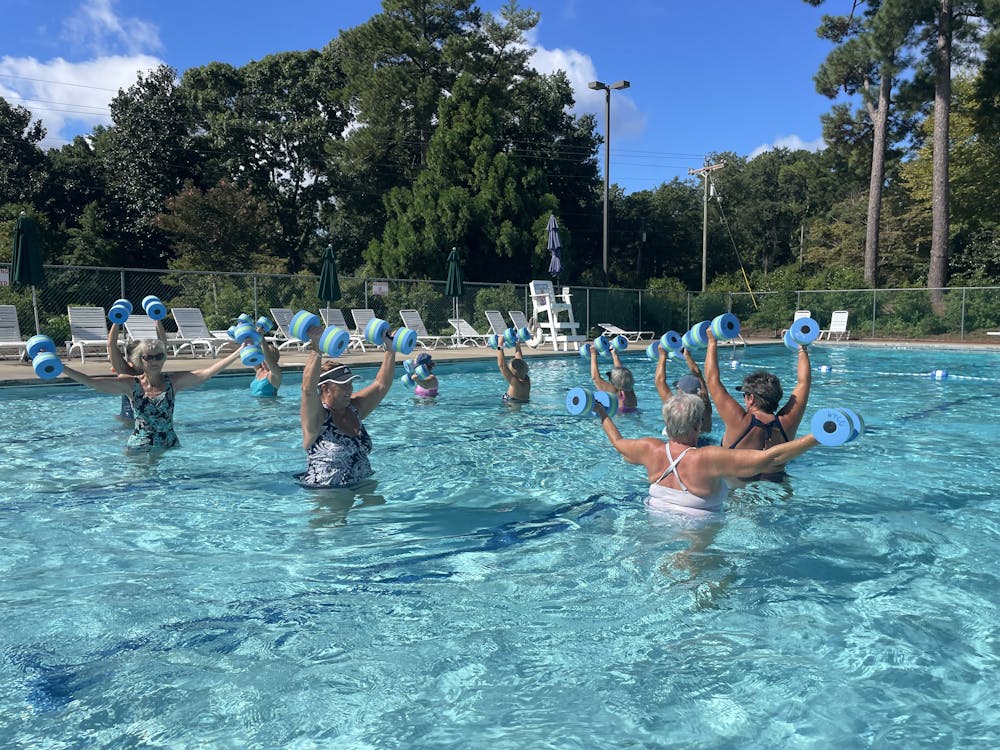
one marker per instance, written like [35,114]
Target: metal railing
[874,313]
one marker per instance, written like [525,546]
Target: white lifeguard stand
[554,317]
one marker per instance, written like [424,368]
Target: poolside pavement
[15,372]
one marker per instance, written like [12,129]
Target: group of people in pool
[759,437]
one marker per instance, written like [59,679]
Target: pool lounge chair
[497,322]
[334,316]
[139,327]
[798,314]
[192,328]
[612,330]
[362,316]
[88,331]
[838,326]
[10,332]
[412,320]
[282,317]
[465,334]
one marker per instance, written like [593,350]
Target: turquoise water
[502,585]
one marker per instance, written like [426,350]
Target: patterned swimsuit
[154,418]
[337,459]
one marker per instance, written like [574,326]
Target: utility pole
[703,172]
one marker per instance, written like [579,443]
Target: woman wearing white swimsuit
[687,479]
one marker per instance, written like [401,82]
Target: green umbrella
[26,259]
[453,286]
[329,286]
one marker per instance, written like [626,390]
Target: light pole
[598,86]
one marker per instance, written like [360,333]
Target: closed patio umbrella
[26,260]
[329,286]
[453,286]
[554,246]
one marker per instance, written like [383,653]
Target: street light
[599,86]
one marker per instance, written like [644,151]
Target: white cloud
[791,142]
[626,119]
[72,97]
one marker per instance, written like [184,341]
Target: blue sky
[718,75]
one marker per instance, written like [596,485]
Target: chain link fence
[874,313]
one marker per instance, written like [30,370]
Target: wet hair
[519,367]
[621,378]
[132,355]
[765,388]
[682,414]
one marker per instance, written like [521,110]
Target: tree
[22,163]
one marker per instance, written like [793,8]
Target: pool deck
[15,372]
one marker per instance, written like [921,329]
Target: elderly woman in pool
[151,391]
[620,382]
[685,478]
[333,433]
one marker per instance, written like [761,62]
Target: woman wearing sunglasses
[151,391]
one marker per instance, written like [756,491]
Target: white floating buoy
[824,368]
[939,375]
[735,364]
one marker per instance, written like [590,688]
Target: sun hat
[423,359]
[338,374]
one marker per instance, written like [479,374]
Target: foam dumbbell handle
[38,344]
[609,402]
[376,330]
[251,355]
[579,401]
[725,326]
[832,427]
[671,341]
[47,365]
[302,321]
[586,349]
[333,341]
[804,331]
[153,307]
[246,333]
[404,340]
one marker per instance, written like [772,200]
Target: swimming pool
[502,586]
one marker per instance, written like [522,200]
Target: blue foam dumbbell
[153,307]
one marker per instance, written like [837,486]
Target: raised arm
[595,374]
[633,451]
[728,407]
[271,358]
[795,408]
[118,363]
[502,365]
[706,420]
[660,378]
[185,380]
[311,412]
[371,396]
[723,462]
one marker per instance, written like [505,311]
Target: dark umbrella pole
[26,260]
[453,286]
[329,285]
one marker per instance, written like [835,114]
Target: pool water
[500,584]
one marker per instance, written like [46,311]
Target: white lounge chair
[838,326]
[496,320]
[88,331]
[798,314]
[362,317]
[412,320]
[520,320]
[139,327]
[282,317]
[612,330]
[10,332]
[334,316]
[554,316]
[465,334]
[192,328]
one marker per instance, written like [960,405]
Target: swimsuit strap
[754,422]
[673,465]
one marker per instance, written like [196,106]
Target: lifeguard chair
[554,317]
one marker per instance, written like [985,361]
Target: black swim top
[768,427]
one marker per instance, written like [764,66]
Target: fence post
[962,324]
[256,302]
[874,295]
[121,280]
